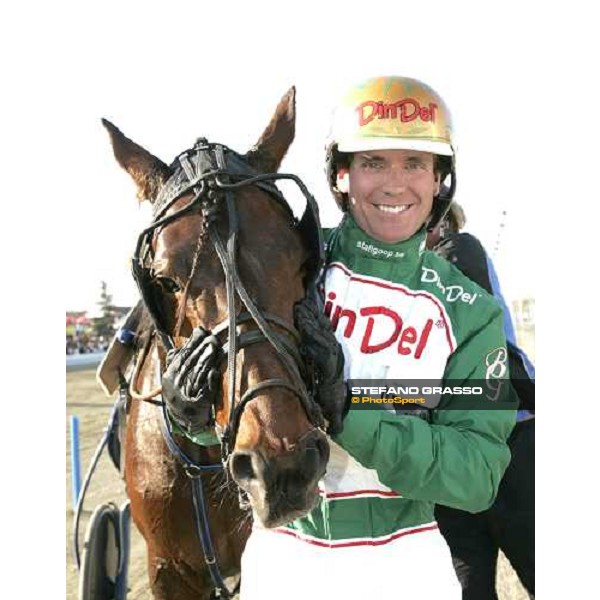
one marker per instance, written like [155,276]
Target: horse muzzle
[282,487]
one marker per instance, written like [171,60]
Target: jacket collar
[354,242]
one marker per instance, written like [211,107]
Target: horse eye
[169,285]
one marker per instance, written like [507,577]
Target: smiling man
[392,310]
[392,191]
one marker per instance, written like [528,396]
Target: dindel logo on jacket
[374,316]
[379,319]
[452,293]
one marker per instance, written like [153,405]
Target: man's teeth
[392,209]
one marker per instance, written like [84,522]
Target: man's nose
[395,182]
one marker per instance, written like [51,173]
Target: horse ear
[268,152]
[148,172]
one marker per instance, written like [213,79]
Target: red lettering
[329,304]
[424,337]
[405,105]
[365,118]
[391,111]
[346,312]
[432,108]
[406,337]
[365,347]
[336,317]
[427,113]
[409,336]
[409,109]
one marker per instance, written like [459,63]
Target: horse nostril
[241,467]
[315,457]
[310,464]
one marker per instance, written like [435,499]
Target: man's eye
[373,164]
[168,285]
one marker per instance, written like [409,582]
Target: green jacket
[401,312]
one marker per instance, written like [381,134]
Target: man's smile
[392,208]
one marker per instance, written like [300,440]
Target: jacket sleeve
[459,458]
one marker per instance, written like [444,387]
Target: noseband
[214,173]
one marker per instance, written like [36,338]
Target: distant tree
[104,325]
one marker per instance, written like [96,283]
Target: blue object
[75,463]
[125,336]
[509,331]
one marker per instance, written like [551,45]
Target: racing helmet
[387,113]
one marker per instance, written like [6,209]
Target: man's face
[390,191]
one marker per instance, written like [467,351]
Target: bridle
[213,173]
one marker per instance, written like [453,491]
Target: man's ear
[438,184]
[342,180]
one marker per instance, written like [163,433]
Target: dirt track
[87,401]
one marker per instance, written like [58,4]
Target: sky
[189,72]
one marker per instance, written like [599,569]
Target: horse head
[226,254]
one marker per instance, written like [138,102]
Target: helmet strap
[442,201]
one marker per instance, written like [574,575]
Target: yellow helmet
[388,113]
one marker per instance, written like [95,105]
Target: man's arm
[457,460]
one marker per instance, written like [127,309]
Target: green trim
[204,438]
[348,518]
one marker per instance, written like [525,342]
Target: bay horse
[225,253]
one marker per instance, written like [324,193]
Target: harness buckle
[192,471]
[201,143]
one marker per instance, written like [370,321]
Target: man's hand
[321,347]
[190,383]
